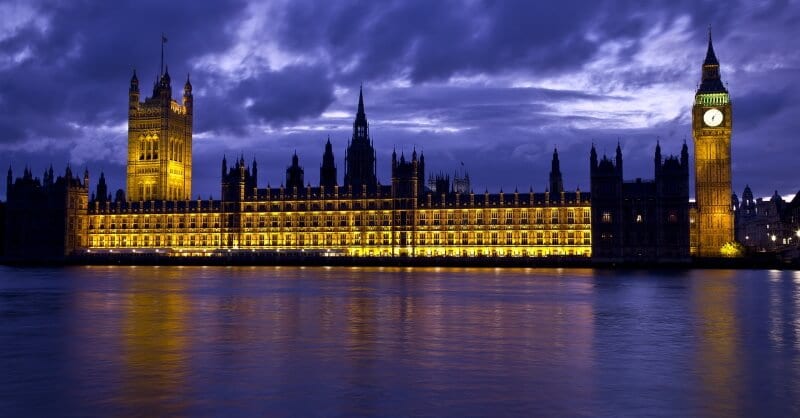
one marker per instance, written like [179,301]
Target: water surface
[216,341]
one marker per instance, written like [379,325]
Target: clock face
[712,117]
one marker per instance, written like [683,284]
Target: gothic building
[711,127]
[159,142]
[360,156]
[294,174]
[46,218]
[619,220]
[640,220]
[327,171]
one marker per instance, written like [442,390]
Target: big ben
[712,121]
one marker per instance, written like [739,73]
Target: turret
[188,99]
[618,160]
[224,166]
[133,92]
[102,188]
[327,171]
[255,172]
[657,159]
[685,157]
[294,174]
[556,182]
[592,160]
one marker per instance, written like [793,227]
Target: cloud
[494,84]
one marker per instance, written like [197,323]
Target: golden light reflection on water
[154,343]
[718,359]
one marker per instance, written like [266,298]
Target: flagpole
[162,52]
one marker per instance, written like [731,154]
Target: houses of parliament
[616,220]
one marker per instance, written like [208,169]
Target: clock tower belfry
[712,121]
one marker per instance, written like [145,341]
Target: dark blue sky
[495,84]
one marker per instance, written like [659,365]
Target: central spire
[361,101]
[711,57]
[360,125]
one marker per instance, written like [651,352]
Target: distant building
[770,225]
[640,220]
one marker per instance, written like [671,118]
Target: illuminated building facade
[159,142]
[360,218]
[711,128]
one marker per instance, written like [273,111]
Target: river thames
[281,341]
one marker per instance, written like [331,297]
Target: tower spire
[361,101]
[711,57]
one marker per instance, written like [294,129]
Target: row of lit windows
[341,239]
[555,216]
[329,220]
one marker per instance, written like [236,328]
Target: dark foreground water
[170,341]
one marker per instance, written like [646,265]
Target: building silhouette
[640,220]
[360,167]
[46,218]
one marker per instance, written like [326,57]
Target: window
[554,238]
[639,218]
[586,217]
[494,217]
[539,216]
[606,219]
[509,217]
[524,217]
[570,216]
[554,216]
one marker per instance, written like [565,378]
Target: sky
[495,85]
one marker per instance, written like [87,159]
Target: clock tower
[711,128]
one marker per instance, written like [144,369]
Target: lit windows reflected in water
[285,341]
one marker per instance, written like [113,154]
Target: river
[294,341]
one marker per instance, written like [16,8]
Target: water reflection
[150,341]
[154,342]
[714,301]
